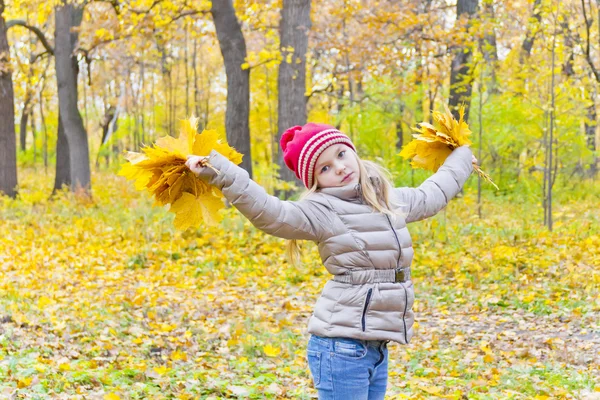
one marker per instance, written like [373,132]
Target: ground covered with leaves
[106,300]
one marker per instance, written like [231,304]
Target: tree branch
[187,14]
[39,55]
[588,56]
[38,33]
[113,3]
[327,88]
[102,43]
[138,11]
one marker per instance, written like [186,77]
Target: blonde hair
[375,184]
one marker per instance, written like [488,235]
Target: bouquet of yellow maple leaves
[433,145]
[161,170]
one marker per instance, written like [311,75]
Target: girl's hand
[197,164]
[473,160]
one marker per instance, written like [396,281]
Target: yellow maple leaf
[431,389]
[182,145]
[24,382]
[271,351]
[191,210]
[139,175]
[178,355]
[163,369]
[426,155]
[111,396]
[43,302]
[161,170]
[210,141]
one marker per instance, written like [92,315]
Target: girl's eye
[341,153]
[323,169]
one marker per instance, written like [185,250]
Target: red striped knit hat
[302,146]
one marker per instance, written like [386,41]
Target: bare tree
[233,48]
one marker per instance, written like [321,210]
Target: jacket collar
[350,192]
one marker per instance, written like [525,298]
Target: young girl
[358,220]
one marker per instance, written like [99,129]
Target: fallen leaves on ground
[107,300]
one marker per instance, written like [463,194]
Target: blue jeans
[348,369]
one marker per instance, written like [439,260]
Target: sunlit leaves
[161,171]
[431,146]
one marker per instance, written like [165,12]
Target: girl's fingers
[196,164]
[193,160]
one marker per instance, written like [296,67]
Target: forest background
[102,298]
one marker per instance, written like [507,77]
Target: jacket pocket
[363,320]
[314,365]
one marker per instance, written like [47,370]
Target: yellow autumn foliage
[432,145]
[115,302]
[161,170]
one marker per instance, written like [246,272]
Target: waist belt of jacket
[360,277]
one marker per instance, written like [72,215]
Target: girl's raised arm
[286,219]
[435,193]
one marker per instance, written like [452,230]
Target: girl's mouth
[347,176]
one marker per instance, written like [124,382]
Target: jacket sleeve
[435,193]
[303,219]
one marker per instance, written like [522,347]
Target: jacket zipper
[401,284]
[397,241]
[364,314]
[404,314]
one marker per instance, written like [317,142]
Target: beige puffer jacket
[361,248]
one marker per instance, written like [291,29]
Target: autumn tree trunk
[233,48]
[489,47]
[24,120]
[532,30]
[291,82]
[8,145]
[591,123]
[461,79]
[63,167]
[67,17]
[591,133]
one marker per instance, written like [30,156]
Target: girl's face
[337,166]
